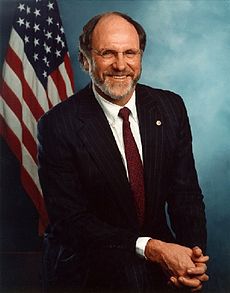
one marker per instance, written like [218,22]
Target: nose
[119,63]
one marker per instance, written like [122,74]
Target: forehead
[113,31]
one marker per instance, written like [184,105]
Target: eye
[130,53]
[107,54]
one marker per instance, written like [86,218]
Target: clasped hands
[184,266]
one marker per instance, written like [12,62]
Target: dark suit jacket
[86,191]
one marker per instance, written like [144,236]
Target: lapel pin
[158,123]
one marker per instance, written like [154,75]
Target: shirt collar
[111,110]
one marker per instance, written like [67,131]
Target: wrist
[153,250]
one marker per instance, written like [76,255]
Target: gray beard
[108,90]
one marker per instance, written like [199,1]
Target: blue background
[188,51]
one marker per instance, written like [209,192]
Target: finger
[197,289]
[203,278]
[197,251]
[198,270]
[174,282]
[200,264]
[193,282]
[201,258]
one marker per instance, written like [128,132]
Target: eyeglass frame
[115,53]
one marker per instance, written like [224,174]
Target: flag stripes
[36,75]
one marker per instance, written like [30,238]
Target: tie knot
[124,113]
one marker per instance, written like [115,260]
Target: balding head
[85,39]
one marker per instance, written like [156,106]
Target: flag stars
[20,21]
[58,53]
[36,42]
[27,25]
[36,27]
[46,61]
[49,20]
[58,39]
[21,7]
[44,74]
[48,35]
[47,48]
[42,34]
[35,57]
[50,5]
[26,39]
[28,10]
[37,12]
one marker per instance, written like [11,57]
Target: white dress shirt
[111,112]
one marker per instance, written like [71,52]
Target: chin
[118,91]
[117,94]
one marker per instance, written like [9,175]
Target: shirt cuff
[141,244]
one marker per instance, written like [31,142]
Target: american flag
[36,75]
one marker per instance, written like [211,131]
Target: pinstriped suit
[94,226]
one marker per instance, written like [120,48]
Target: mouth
[118,77]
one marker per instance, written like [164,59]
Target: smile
[118,77]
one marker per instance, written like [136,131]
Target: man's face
[115,64]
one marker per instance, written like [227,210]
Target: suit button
[158,123]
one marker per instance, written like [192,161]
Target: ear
[83,60]
[85,63]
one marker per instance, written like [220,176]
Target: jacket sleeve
[185,203]
[71,217]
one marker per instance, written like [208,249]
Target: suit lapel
[100,143]
[151,130]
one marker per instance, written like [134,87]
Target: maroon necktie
[134,165]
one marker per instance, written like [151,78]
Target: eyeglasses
[109,54]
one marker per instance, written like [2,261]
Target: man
[106,185]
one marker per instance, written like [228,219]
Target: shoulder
[165,100]
[67,108]
[158,94]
